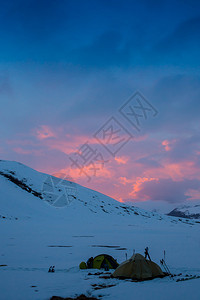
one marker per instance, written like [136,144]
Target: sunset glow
[68,88]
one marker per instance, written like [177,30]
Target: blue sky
[67,66]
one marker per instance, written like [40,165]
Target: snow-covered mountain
[48,221]
[191,211]
[26,193]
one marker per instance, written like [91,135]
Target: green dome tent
[138,268]
[101,261]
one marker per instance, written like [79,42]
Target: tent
[102,261]
[138,268]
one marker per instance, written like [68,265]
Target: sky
[107,92]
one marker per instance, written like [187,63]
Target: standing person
[146,252]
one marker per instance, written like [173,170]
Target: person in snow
[146,252]
[51,269]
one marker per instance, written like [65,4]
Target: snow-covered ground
[36,233]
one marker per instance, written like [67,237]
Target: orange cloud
[86,173]
[121,159]
[137,186]
[124,180]
[120,200]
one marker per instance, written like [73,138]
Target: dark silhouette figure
[51,269]
[146,252]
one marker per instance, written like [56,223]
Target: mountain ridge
[186,211]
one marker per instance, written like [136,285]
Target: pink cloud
[71,144]
[137,187]
[193,194]
[133,174]
[56,139]
[89,172]
[124,180]
[44,132]
[177,171]
[121,159]
[168,144]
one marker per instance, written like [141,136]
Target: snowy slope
[26,192]
[190,211]
[45,221]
